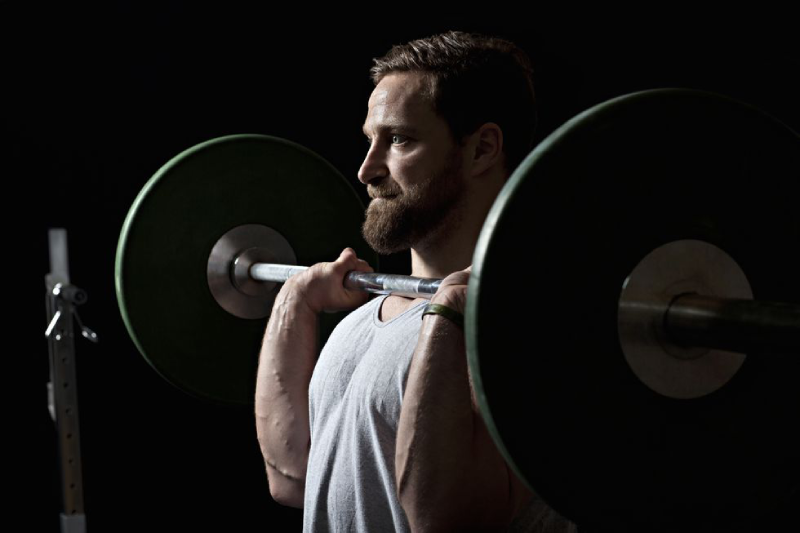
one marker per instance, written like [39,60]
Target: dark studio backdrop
[96,100]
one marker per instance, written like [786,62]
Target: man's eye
[399,139]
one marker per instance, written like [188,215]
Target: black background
[96,99]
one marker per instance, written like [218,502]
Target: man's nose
[374,165]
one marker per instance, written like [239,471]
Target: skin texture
[431,193]
[286,363]
[410,201]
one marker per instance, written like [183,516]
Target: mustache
[383,190]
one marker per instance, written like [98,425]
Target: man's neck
[439,266]
[450,249]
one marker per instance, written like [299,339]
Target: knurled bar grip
[365,281]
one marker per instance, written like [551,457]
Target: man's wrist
[451,314]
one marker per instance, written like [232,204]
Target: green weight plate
[593,199]
[164,246]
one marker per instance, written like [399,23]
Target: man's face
[413,169]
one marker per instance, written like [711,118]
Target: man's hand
[321,287]
[453,291]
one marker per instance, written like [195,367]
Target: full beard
[404,221]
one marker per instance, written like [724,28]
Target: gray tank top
[355,397]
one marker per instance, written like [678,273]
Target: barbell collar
[733,324]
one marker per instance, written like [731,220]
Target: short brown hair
[472,79]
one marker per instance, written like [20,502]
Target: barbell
[657,230]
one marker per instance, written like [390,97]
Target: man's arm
[287,359]
[285,366]
[450,474]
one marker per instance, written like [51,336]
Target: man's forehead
[398,97]
[397,86]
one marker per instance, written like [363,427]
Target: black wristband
[450,314]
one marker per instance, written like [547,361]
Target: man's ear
[487,144]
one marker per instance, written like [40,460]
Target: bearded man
[383,432]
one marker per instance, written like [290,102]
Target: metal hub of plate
[229,269]
[680,267]
[186,323]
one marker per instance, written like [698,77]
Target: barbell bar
[690,319]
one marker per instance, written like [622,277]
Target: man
[383,432]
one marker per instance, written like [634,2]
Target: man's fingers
[350,261]
[363,266]
[456,278]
